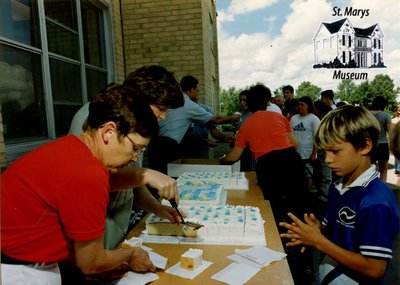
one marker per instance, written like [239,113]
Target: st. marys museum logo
[339,45]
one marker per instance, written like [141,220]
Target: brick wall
[174,34]
[119,65]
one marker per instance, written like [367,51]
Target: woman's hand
[140,261]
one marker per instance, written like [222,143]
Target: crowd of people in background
[342,153]
[335,153]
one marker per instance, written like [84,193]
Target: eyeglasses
[136,150]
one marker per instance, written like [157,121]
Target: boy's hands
[299,233]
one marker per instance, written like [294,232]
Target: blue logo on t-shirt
[347,216]
[299,127]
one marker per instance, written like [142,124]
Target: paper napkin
[236,274]
[257,256]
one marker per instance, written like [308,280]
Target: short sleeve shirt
[263,132]
[179,120]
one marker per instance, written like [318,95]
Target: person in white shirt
[304,126]
[274,108]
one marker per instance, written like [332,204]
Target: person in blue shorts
[362,219]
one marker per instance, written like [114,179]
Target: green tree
[383,85]
[362,94]
[278,91]
[230,100]
[346,90]
[366,91]
[306,88]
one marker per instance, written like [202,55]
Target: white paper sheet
[188,274]
[135,241]
[134,278]
[159,261]
[236,274]
[258,256]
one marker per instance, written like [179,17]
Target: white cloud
[223,16]
[288,58]
[238,7]
[242,6]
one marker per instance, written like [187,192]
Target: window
[349,37]
[22,96]
[344,57]
[52,59]
[343,40]
[21,88]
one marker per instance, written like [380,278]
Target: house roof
[335,26]
[365,32]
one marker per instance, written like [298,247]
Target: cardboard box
[177,167]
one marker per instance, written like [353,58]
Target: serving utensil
[174,205]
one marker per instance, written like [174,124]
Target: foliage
[346,90]
[308,89]
[278,91]
[230,100]
[365,93]
[383,85]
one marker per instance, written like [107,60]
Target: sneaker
[396,172]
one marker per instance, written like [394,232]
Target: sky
[270,41]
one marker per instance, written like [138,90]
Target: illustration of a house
[339,44]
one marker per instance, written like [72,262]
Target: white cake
[229,180]
[200,193]
[192,259]
[163,227]
[222,224]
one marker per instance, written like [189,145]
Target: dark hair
[321,109]
[188,82]
[123,106]
[327,94]
[258,97]
[244,93]
[379,103]
[288,88]
[394,142]
[156,85]
[340,104]
[307,100]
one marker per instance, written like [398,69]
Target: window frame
[15,150]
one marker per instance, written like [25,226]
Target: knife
[174,205]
